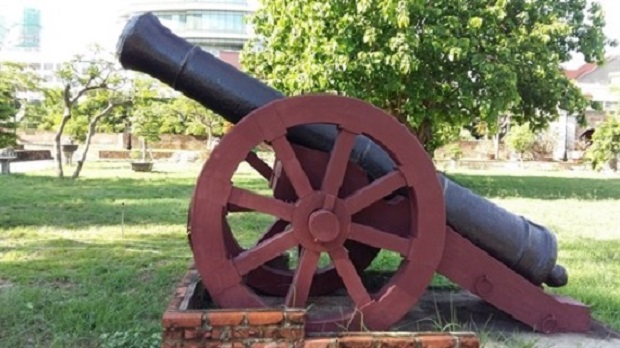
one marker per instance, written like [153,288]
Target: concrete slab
[31,166]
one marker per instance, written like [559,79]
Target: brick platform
[186,325]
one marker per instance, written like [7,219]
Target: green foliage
[520,139]
[96,81]
[14,79]
[7,111]
[605,142]
[158,110]
[436,66]
[147,108]
[46,113]
[454,151]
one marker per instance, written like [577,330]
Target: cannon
[348,181]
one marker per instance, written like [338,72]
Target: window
[210,21]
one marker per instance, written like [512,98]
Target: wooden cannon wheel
[275,277]
[320,221]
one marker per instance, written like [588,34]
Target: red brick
[293,333]
[244,332]
[271,332]
[395,342]
[296,317]
[224,318]
[470,341]
[181,319]
[321,343]
[271,345]
[220,333]
[173,334]
[287,333]
[191,334]
[436,341]
[265,317]
[212,344]
[358,341]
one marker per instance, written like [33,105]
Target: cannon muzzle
[147,46]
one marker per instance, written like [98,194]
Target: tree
[436,66]
[520,139]
[15,82]
[605,144]
[147,110]
[185,115]
[7,112]
[156,109]
[97,79]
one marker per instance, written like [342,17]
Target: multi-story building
[218,26]
[22,32]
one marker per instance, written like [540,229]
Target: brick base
[185,325]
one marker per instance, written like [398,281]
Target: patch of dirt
[5,284]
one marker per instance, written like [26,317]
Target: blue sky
[70,25]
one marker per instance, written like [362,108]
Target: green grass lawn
[101,255]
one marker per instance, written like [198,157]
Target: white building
[218,26]
[600,84]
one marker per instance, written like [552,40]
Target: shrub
[520,139]
[605,143]
[454,152]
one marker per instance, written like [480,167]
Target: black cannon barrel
[147,46]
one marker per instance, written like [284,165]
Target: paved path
[31,166]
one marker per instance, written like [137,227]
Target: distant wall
[115,141]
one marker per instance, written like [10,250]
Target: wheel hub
[324,226]
[318,227]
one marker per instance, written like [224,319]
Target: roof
[579,72]
[585,69]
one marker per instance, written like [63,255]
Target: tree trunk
[143,150]
[424,132]
[66,115]
[496,145]
[92,127]
[209,136]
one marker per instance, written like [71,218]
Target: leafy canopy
[435,65]
[156,109]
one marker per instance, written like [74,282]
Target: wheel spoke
[349,276]
[259,165]
[377,190]
[300,287]
[379,239]
[334,174]
[243,199]
[264,251]
[295,173]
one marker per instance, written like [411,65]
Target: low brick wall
[33,155]
[184,326]
[126,154]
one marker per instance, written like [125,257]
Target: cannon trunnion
[348,180]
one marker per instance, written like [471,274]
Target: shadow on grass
[63,293]
[539,187]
